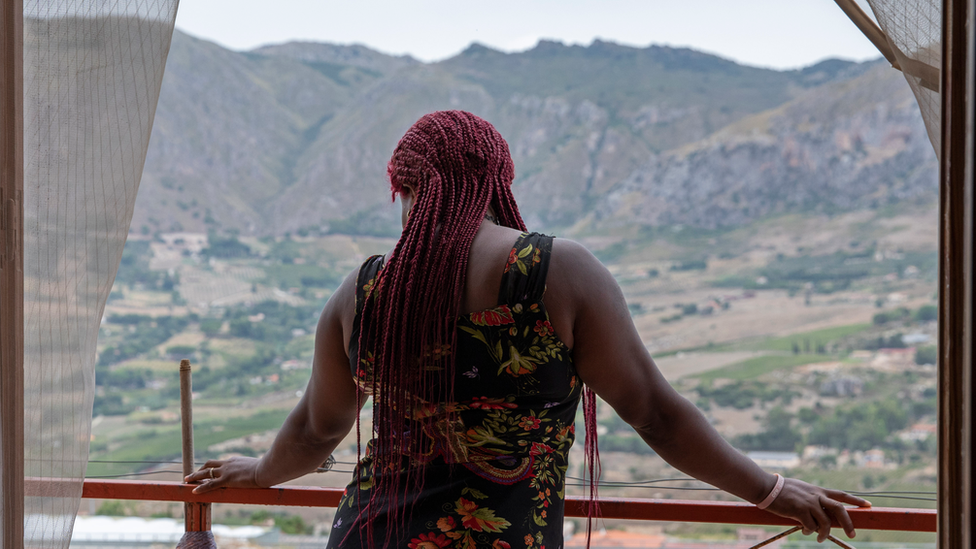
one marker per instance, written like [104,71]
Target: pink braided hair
[458,164]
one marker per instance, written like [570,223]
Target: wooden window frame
[11,273]
[957,306]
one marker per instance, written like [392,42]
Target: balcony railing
[874,518]
[198,508]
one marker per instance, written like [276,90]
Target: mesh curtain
[92,72]
[914,31]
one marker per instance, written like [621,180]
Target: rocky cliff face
[843,146]
[296,137]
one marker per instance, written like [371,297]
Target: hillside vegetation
[296,137]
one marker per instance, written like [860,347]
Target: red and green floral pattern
[494,475]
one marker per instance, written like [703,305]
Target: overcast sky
[770,33]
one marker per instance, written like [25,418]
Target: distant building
[896,297]
[617,539]
[896,352]
[137,532]
[296,365]
[754,535]
[816,452]
[918,432]
[191,242]
[775,460]
[894,359]
[915,338]
[873,459]
[842,386]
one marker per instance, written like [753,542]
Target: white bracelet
[772,495]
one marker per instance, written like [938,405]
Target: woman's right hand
[815,508]
[236,472]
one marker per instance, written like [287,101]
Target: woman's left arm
[322,418]
[612,360]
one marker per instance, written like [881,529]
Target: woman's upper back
[490,252]
[588,313]
[514,384]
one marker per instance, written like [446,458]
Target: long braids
[458,165]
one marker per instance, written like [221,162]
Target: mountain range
[295,137]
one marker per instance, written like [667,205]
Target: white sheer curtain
[92,72]
[914,31]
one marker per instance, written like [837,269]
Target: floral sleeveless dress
[495,476]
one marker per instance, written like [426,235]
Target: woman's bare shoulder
[341,308]
[574,268]
[574,279]
[343,301]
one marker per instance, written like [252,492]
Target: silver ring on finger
[212,477]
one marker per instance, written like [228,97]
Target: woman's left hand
[236,472]
[816,509]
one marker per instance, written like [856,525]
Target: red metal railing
[875,518]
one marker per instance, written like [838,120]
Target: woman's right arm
[612,360]
[317,424]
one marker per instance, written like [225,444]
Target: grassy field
[824,336]
[755,367]
[810,339]
[164,442]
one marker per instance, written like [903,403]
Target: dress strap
[524,278]
[365,281]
